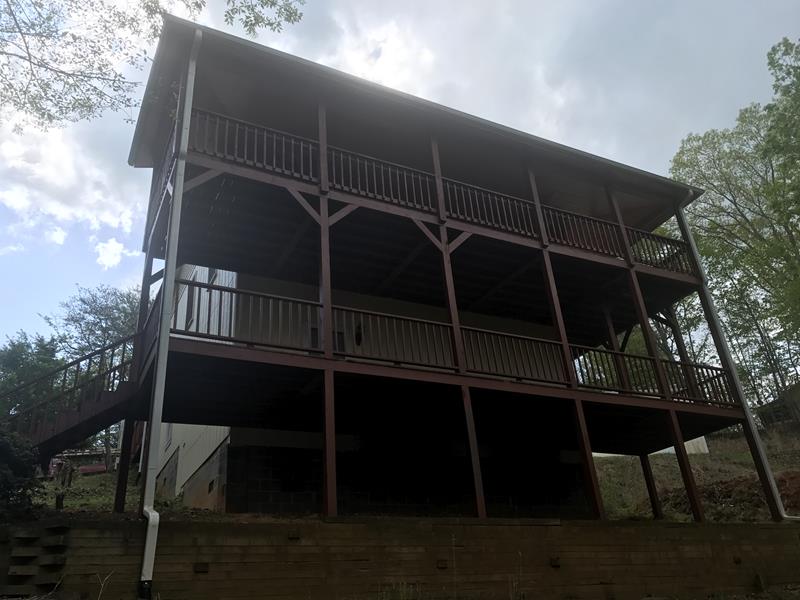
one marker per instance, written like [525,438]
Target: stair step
[52,541]
[26,551]
[22,570]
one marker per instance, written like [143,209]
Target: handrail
[582,231]
[467,202]
[234,290]
[391,316]
[251,124]
[506,333]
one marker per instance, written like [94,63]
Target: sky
[624,79]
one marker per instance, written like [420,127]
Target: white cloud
[11,249]
[110,253]
[55,235]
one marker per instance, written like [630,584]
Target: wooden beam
[619,362]
[649,337]
[623,230]
[325,295]
[462,237]
[330,508]
[650,483]
[201,179]
[685,466]
[477,477]
[537,202]
[301,200]
[452,305]
[424,229]
[322,118]
[342,213]
[558,318]
[691,380]
[437,171]
[585,445]
[121,490]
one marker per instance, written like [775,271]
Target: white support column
[162,347]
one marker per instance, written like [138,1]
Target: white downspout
[167,307]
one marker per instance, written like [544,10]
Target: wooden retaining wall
[409,559]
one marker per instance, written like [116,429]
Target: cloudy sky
[623,79]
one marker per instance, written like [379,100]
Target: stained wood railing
[392,338]
[476,205]
[580,231]
[253,145]
[223,313]
[661,252]
[510,355]
[615,371]
[42,402]
[395,184]
[692,382]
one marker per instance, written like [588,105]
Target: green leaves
[69,60]
[747,224]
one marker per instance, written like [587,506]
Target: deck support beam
[330,507]
[474,453]
[765,475]
[590,472]
[128,427]
[685,466]
[325,295]
[683,353]
[619,362]
[650,483]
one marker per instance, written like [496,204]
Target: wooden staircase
[62,408]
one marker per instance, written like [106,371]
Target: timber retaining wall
[411,559]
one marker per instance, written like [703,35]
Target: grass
[725,477]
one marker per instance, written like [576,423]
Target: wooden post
[330,508]
[323,149]
[437,171]
[325,294]
[124,465]
[558,319]
[619,361]
[768,483]
[623,230]
[480,501]
[649,481]
[649,337]
[537,203]
[691,380]
[584,443]
[685,466]
[452,304]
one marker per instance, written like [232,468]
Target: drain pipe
[165,318]
[754,439]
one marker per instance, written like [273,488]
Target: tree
[18,481]
[67,60]
[747,225]
[93,318]
[24,358]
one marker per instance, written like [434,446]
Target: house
[373,304]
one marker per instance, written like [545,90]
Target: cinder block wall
[415,559]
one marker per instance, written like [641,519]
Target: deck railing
[476,205]
[392,338]
[297,157]
[222,313]
[581,231]
[365,176]
[40,403]
[615,371]
[694,382]
[253,145]
[661,252]
[511,355]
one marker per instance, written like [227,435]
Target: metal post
[585,445]
[168,290]
[757,450]
[480,500]
[649,481]
[329,482]
[124,465]
[686,468]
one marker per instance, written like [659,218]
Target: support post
[619,361]
[685,467]
[452,305]
[537,204]
[323,149]
[437,171]
[480,500]
[649,337]
[558,319]
[623,230]
[650,482]
[330,508]
[168,294]
[691,380]
[585,445]
[124,465]
[759,454]
[325,295]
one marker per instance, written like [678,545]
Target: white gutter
[167,303]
